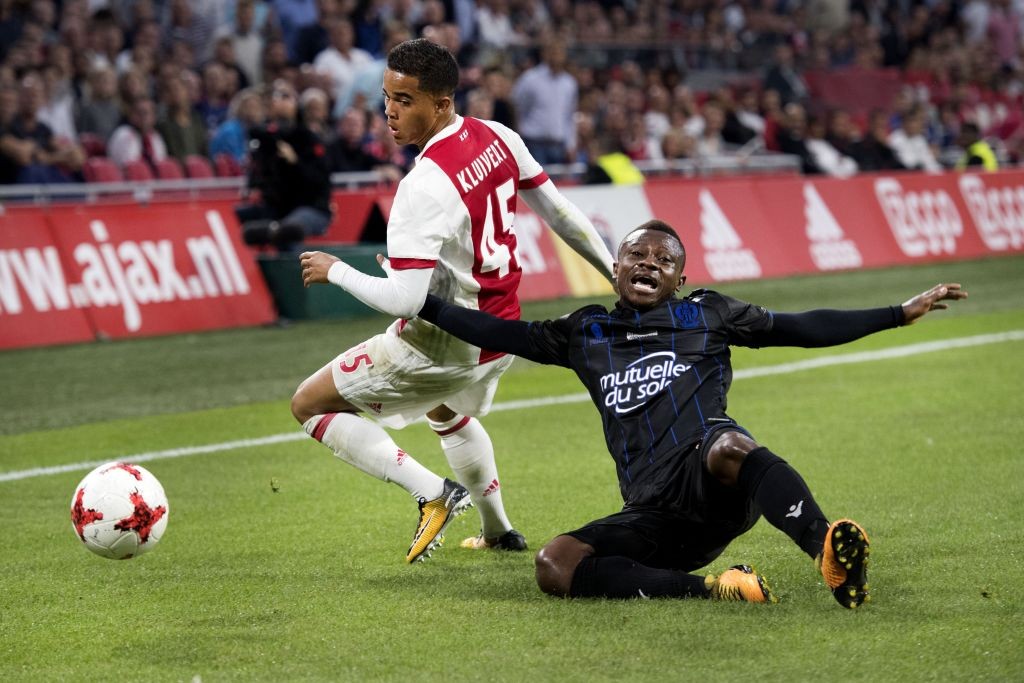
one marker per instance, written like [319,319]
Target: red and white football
[119,511]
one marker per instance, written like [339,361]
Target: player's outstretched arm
[931,300]
[569,223]
[482,329]
[826,327]
[400,294]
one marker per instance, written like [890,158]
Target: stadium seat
[137,170]
[198,167]
[227,166]
[101,170]
[92,144]
[169,169]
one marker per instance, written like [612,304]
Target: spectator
[217,92]
[58,110]
[366,91]
[15,153]
[315,107]
[910,144]
[186,28]
[291,16]
[841,132]
[37,155]
[274,64]
[342,60]
[677,145]
[314,38]
[784,78]
[1004,32]
[545,99]
[224,55]
[977,152]
[144,48]
[430,18]
[247,42]
[349,151]
[771,110]
[734,132]
[872,152]
[499,87]
[180,126]
[791,137]
[370,19]
[827,158]
[494,26]
[748,113]
[710,142]
[100,112]
[656,114]
[289,167]
[138,139]
[245,113]
[479,104]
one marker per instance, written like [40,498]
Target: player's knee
[550,574]
[556,563]
[301,409]
[726,455]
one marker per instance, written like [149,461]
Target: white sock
[367,447]
[471,456]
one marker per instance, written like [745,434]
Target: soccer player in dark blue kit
[658,369]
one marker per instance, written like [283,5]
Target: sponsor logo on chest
[478,169]
[629,389]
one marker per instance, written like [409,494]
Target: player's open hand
[931,301]
[315,265]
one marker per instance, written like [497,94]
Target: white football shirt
[455,212]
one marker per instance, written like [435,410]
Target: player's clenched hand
[315,265]
[931,301]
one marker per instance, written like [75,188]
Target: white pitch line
[746,373]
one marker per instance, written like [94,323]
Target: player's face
[649,269]
[413,116]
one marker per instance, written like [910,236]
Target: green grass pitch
[308,583]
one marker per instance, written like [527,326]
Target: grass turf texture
[308,582]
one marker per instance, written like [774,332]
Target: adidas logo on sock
[400,457]
[492,487]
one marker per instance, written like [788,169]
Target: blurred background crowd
[177,88]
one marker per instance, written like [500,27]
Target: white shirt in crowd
[125,145]
[341,69]
[914,151]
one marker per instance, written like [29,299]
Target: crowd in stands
[173,88]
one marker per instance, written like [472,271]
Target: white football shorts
[395,384]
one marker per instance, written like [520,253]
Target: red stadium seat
[101,170]
[227,166]
[169,169]
[198,167]
[92,144]
[138,170]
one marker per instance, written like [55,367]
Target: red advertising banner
[35,305]
[131,271]
[76,273]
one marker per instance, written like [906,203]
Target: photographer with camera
[290,169]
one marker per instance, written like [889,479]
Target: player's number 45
[495,255]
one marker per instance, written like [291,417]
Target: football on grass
[119,511]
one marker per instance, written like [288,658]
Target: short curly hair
[431,64]
[657,226]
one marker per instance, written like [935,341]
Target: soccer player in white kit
[451,234]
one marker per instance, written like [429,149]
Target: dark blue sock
[621,577]
[784,499]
